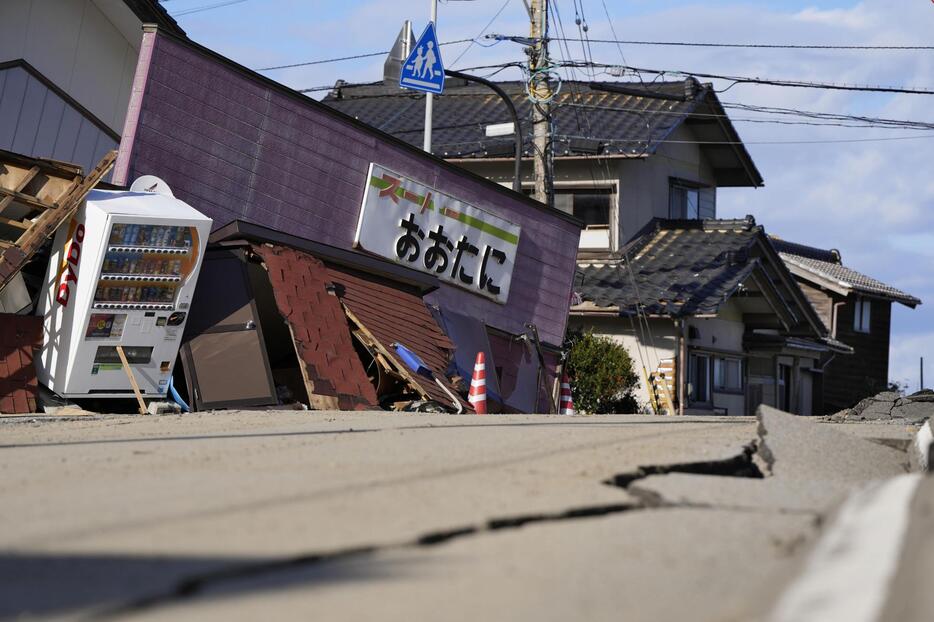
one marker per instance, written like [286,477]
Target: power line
[860,121]
[474,40]
[711,142]
[343,58]
[770,46]
[771,82]
[752,142]
[199,9]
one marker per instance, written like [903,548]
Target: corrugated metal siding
[35,121]
[234,147]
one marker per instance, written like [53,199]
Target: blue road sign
[423,70]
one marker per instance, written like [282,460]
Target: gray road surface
[399,517]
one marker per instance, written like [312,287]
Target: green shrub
[602,374]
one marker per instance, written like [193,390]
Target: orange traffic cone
[567,402]
[477,394]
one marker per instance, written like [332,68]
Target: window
[683,202]
[691,201]
[699,376]
[784,388]
[592,205]
[861,315]
[727,374]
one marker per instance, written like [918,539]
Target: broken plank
[375,343]
[27,199]
[15,223]
[129,373]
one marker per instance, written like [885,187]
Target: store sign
[68,272]
[417,226]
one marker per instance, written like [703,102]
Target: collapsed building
[240,147]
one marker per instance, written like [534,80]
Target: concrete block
[877,410]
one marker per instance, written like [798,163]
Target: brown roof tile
[20,338]
[320,328]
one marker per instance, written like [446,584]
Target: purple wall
[235,146]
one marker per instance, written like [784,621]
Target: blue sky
[874,201]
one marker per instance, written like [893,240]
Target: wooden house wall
[848,379]
[237,147]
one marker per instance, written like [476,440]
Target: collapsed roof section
[606,119]
[825,268]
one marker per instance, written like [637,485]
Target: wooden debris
[36,197]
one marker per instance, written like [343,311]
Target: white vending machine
[122,272]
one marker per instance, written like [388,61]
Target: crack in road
[740,465]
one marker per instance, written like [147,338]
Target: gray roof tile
[849,279]
[587,117]
[678,268]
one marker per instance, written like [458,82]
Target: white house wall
[661,346]
[88,48]
[643,183]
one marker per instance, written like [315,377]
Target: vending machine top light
[122,272]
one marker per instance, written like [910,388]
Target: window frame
[677,183]
[862,315]
[718,387]
[607,184]
[693,359]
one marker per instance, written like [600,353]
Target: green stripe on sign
[486,227]
[470,221]
[382,184]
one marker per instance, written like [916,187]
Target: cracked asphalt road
[238,515]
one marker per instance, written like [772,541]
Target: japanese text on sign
[424,229]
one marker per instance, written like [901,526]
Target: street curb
[921,449]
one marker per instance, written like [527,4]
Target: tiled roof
[611,118]
[678,268]
[827,265]
[319,327]
[20,337]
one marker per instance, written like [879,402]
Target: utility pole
[429,96]
[540,92]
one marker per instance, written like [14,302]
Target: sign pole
[429,97]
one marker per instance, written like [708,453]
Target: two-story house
[858,310]
[624,153]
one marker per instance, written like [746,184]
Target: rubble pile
[890,406]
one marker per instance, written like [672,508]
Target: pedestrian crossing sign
[423,70]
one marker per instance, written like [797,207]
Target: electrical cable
[208,7]
[774,82]
[481,33]
[343,58]
[770,46]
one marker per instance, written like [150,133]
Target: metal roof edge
[345,118]
[241,229]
